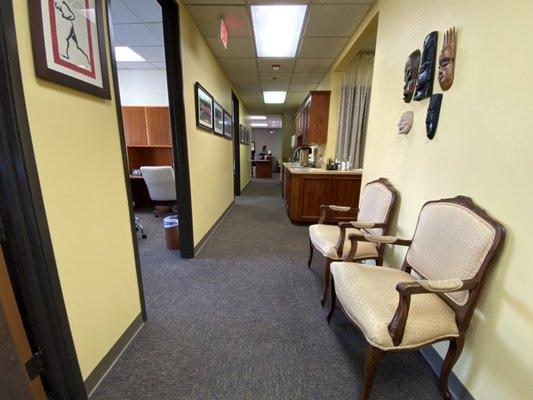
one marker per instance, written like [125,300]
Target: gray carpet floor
[243,320]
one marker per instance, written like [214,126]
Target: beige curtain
[355,101]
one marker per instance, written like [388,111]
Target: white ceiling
[327,28]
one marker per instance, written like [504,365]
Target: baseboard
[245,186]
[103,367]
[456,387]
[201,243]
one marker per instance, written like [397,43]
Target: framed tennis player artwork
[69,44]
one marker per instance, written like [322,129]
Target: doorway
[236,145]
[150,109]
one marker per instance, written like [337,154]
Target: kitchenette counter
[310,170]
[306,189]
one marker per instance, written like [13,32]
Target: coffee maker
[305,155]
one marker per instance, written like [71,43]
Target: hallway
[243,320]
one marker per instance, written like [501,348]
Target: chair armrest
[396,327]
[368,237]
[325,209]
[353,224]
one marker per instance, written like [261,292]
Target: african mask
[447,59]
[410,75]
[406,122]
[426,72]
[432,118]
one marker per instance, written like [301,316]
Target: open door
[236,145]
[16,358]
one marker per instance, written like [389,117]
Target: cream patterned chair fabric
[324,238]
[369,298]
[451,241]
[376,202]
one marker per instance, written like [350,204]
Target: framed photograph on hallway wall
[218,119]
[228,125]
[204,107]
[69,44]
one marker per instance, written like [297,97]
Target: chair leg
[327,274]
[454,351]
[372,357]
[333,301]
[310,254]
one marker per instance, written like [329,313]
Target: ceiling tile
[297,95]
[343,1]
[244,77]
[322,47]
[136,35]
[237,47]
[238,64]
[159,65]
[247,87]
[281,77]
[147,11]
[275,86]
[151,53]
[307,77]
[302,87]
[331,21]
[157,28]
[313,64]
[207,18]
[122,14]
[213,1]
[135,65]
[265,64]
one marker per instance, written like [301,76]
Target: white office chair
[161,187]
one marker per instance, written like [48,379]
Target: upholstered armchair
[432,297]
[373,217]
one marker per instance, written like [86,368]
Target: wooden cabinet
[311,121]
[135,126]
[148,142]
[304,193]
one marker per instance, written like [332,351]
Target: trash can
[172,233]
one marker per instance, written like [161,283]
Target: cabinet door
[158,126]
[135,126]
[344,191]
[314,193]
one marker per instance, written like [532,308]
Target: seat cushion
[325,237]
[368,295]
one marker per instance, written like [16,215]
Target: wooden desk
[139,192]
[263,168]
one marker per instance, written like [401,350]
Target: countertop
[308,170]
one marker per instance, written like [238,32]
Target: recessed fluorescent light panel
[124,53]
[259,125]
[258,117]
[274,97]
[277,29]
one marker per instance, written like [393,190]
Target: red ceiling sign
[224,33]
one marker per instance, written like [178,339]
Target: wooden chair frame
[325,210]
[463,313]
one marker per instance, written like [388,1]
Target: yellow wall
[482,149]
[76,142]
[210,156]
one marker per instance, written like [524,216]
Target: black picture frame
[228,125]
[94,71]
[218,118]
[201,94]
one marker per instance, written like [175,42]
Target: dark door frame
[236,145]
[24,233]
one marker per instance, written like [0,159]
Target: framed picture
[218,119]
[242,133]
[228,125]
[252,146]
[204,107]
[247,137]
[69,44]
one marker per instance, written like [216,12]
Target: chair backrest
[454,238]
[160,183]
[377,203]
